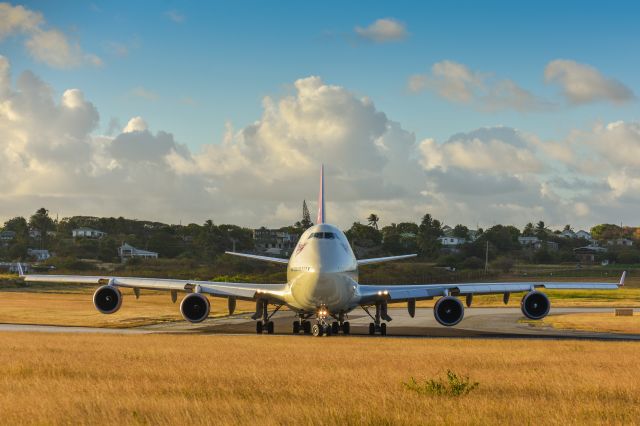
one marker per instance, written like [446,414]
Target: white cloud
[582,83]
[383,31]
[260,173]
[49,46]
[136,124]
[457,83]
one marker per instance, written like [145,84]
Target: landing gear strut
[377,326]
[262,310]
[302,324]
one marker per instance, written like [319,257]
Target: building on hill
[127,251]
[568,234]
[39,255]
[620,242]
[87,233]
[588,253]
[7,236]
[274,241]
[451,241]
[536,243]
[584,235]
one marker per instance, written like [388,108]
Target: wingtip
[622,278]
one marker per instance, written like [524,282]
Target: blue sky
[188,68]
[225,56]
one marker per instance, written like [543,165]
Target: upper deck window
[323,235]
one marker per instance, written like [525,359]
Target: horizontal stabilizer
[256,257]
[384,259]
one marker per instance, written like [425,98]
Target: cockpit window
[323,235]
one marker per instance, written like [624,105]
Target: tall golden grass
[599,322]
[197,379]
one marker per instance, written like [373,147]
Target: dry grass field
[76,309]
[178,379]
[599,322]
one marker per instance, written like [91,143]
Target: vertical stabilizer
[321,211]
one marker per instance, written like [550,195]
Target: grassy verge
[76,309]
[270,380]
[597,322]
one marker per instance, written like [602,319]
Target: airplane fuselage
[323,271]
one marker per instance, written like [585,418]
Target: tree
[373,220]
[41,221]
[428,232]
[19,226]
[364,236]
[461,231]
[567,228]
[528,230]
[541,230]
[306,217]
[606,231]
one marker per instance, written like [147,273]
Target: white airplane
[322,286]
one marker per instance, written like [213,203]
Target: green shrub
[454,385]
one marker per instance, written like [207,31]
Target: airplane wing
[384,259]
[257,257]
[243,291]
[402,293]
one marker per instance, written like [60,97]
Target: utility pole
[486,259]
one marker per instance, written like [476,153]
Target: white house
[620,242]
[87,233]
[583,234]
[39,255]
[127,251]
[528,241]
[451,241]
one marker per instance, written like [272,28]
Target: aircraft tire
[383,329]
[296,327]
[259,327]
[372,329]
[306,327]
[270,327]
[346,328]
[316,330]
[335,327]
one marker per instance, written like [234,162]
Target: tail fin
[321,212]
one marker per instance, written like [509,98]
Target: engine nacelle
[535,305]
[107,299]
[448,311]
[195,307]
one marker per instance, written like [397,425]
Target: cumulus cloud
[49,46]
[455,82]
[383,31]
[582,83]
[259,174]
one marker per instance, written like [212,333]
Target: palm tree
[373,220]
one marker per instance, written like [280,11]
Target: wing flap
[403,292]
[214,288]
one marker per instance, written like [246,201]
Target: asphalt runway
[477,322]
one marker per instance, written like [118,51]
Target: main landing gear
[377,326]
[262,310]
[322,327]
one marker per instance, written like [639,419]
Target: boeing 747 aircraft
[322,288]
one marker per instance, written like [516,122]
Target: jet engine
[448,311]
[107,299]
[535,305]
[195,307]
